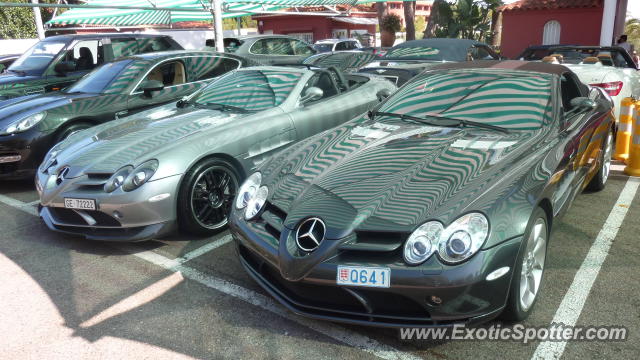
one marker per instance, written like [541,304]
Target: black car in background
[58,61]
[31,125]
[404,61]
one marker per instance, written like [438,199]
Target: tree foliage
[19,23]
[467,19]
[245,22]
[632,29]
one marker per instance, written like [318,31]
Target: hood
[13,80]
[135,139]
[21,107]
[372,175]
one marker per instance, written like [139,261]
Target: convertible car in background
[31,125]
[434,208]
[406,60]
[140,176]
[59,61]
[610,68]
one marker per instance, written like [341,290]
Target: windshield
[509,100]
[326,47]
[36,59]
[98,81]
[609,57]
[250,90]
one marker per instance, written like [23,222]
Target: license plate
[363,276]
[80,204]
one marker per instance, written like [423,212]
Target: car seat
[85,61]
[591,60]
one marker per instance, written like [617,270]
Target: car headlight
[422,242]
[117,179]
[23,124]
[454,244]
[256,203]
[248,190]
[140,175]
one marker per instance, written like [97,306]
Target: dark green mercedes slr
[433,209]
[31,125]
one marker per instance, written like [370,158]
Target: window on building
[551,33]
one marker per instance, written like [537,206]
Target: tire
[599,181]
[203,203]
[66,131]
[525,285]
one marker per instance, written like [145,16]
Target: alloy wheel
[533,264]
[212,195]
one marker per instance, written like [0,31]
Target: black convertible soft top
[517,65]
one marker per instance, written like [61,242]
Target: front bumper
[423,296]
[119,216]
[30,147]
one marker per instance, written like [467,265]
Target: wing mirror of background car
[63,68]
[582,104]
[383,94]
[149,86]
[313,93]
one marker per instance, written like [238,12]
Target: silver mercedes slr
[179,166]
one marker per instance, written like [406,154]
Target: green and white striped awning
[135,17]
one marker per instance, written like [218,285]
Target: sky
[633,7]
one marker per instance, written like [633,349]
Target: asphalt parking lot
[185,297]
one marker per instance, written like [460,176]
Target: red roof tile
[550,4]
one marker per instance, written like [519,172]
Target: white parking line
[205,249]
[335,332]
[26,207]
[575,298]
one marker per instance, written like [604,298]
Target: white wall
[15,46]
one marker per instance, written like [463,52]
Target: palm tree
[409,18]
[632,29]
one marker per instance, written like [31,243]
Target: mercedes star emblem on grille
[310,233]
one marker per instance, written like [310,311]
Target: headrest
[550,60]
[591,60]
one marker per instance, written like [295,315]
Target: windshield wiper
[462,122]
[372,115]
[223,107]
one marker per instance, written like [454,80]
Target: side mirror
[63,68]
[313,93]
[383,94]
[182,103]
[149,86]
[583,104]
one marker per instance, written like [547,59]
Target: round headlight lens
[248,190]
[117,179]
[140,175]
[463,238]
[422,242]
[256,203]
[24,124]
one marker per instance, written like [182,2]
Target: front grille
[337,302]
[71,217]
[273,218]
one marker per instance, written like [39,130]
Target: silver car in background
[181,164]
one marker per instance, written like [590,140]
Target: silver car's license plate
[80,204]
[363,276]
